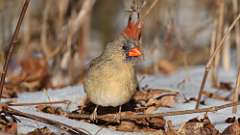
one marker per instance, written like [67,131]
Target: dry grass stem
[110,117]
[86,8]
[219,33]
[210,61]
[149,9]
[226,54]
[237,30]
[12,45]
[43,36]
[65,127]
[236,92]
[40,103]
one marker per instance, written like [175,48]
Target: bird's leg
[93,116]
[118,115]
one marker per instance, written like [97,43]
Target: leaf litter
[163,94]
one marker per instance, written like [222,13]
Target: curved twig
[12,45]
[111,117]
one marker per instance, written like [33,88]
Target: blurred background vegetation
[58,38]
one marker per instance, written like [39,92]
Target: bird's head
[131,41]
[127,45]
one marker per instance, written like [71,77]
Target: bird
[111,77]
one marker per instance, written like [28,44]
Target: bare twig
[110,117]
[220,27]
[65,127]
[12,45]
[210,61]
[75,22]
[44,27]
[236,91]
[226,54]
[149,9]
[40,103]
[235,4]
[86,8]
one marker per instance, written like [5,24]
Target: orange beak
[135,52]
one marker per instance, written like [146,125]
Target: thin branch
[210,61]
[236,91]
[235,4]
[40,103]
[200,93]
[223,39]
[149,9]
[111,117]
[65,127]
[12,45]
[80,18]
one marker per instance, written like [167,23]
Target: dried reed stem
[60,125]
[110,117]
[43,36]
[226,53]
[210,61]
[149,9]
[236,92]
[237,30]
[12,45]
[40,103]
[220,30]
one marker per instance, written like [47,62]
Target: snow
[76,94]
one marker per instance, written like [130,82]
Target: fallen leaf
[225,85]
[170,129]
[198,127]
[50,109]
[166,66]
[150,110]
[127,126]
[41,131]
[230,119]
[233,129]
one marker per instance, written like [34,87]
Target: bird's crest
[133,29]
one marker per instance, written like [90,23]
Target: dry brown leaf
[148,131]
[3,107]
[167,101]
[8,123]
[166,66]
[198,127]
[170,129]
[41,131]
[152,93]
[164,100]
[10,128]
[225,85]
[9,92]
[50,109]
[33,75]
[233,129]
[150,110]
[230,119]
[127,126]
[156,122]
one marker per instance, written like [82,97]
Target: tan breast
[110,84]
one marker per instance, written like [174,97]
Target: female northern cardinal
[111,78]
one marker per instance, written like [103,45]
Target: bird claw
[117,117]
[93,116]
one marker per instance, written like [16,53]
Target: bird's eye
[125,47]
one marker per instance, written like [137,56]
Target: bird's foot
[117,117]
[93,116]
